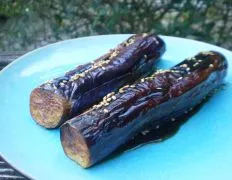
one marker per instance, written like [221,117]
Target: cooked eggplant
[62,98]
[154,100]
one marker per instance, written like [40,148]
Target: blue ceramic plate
[200,150]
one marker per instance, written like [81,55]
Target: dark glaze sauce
[152,135]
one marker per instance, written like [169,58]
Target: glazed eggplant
[62,98]
[155,100]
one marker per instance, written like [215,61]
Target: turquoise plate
[202,149]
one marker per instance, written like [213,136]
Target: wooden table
[7,172]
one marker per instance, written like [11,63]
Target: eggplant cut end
[48,108]
[74,145]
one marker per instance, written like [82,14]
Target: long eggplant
[62,98]
[154,100]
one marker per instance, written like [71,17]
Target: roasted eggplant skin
[58,100]
[157,99]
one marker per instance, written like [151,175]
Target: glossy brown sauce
[154,135]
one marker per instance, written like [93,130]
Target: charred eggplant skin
[156,99]
[62,98]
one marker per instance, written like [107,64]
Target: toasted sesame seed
[157,126]
[180,78]
[130,41]
[108,99]
[190,109]
[132,86]
[110,94]
[145,56]
[211,65]
[183,65]
[158,88]
[188,69]
[106,104]
[114,54]
[99,105]
[103,68]
[186,112]
[207,53]
[142,80]
[126,86]
[82,74]
[62,84]
[145,132]
[113,97]
[121,90]
[195,64]
[106,110]
[145,34]
[173,119]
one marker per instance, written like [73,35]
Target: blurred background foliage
[28,24]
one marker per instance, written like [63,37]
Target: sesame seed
[113,97]
[157,126]
[188,69]
[186,112]
[106,104]
[211,65]
[158,88]
[108,100]
[145,56]
[132,86]
[121,90]
[145,132]
[191,109]
[145,34]
[130,41]
[110,94]
[173,119]
[180,78]
[82,75]
[183,65]
[126,86]
[106,110]
[142,80]
[207,53]
[103,68]
[195,64]
[114,54]
[62,84]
